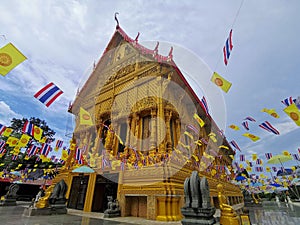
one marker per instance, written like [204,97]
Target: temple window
[105,130]
[122,135]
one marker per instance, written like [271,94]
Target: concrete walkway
[271,213]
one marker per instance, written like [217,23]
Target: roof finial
[156,48]
[137,37]
[170,55]
[116,19]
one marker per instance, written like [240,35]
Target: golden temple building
[141,129]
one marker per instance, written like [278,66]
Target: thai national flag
[235,145]
[28,128]
[242,158]
[258,161]
[78,154]
[296,157]
[45,149]
[268,127]
[268,155]
[259,169]
[2,128]
[48,94]
[288,101]
[245,125]
[2,150]
[2,144]
[250,119]
[204,105]
[59,143]
[32,150]
[14,157]
[228,48]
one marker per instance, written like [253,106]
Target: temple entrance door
[105,186]
[78,192]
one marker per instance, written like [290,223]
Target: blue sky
[62,39]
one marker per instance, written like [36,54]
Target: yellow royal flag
[221,82]
[268,169]
[64,155]
[37,133]
[234,127]
[24,140]
[286,153]
[7,132]
[271,112]
[293,112]
[199,120]
[16,149]
[189,135]
[254,157]
[249,169]
[251,136]
[12,141]
[213,138]
[224,146]
[85,117]
[10,57]
[43,140]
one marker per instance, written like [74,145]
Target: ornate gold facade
[142,105]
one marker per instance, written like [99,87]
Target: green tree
[17,126]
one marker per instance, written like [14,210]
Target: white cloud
[6,113]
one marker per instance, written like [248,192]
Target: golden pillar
[132,130]
[168,115]
[153,138]
[127,142]
[90,193]
[160,115]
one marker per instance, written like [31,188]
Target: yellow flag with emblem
[286,153]
[7,132]
[23,140]
[199,120]
[271,112]
[221,82]
[12,141]
[10,57]
[293,112]
[64,155]
[85,117]
[37,133]
[234,127]
[251,136]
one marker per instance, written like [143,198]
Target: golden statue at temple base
[228,214]
[255,200]
[43,201]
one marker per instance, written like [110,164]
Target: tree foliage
[17,126]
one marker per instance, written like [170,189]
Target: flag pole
[281,164]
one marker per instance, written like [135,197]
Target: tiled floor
[270,214]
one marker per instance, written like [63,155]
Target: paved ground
[270,214]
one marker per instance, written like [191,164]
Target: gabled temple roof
[120,35]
